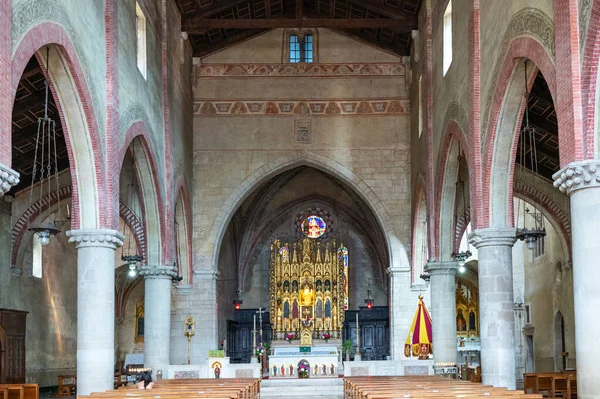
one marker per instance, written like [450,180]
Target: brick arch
[153,209]
[210,250]
[182,193]
[589,77]
[462,221]
[499,145]
[447,172]
[40,207]
[75,106]
[420,201]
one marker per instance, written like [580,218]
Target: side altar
[308,299]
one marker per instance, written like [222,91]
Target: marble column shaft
[157,316]
[496,305]
[581,181]
[95,308]
[443,310]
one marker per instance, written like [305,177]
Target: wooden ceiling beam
[380,7]
[199,25]
[219,7]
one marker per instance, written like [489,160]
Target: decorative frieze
[392,106]
[578,175]
[8,179]
[299,70]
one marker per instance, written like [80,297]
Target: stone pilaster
[205,312]
[443,310]
[8,179]
[402,307]
[95,307]
[496,305]
[581,181]
[157,316]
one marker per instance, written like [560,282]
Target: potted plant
[326,336]
[347,348]
[289,337]
[303,369]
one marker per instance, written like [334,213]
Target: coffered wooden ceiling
[542,116]
[215,24]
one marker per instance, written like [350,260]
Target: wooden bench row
[19,391]
[561,383]
[422,387]
[225,388]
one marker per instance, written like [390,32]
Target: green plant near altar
[267,346]
[259,351]
[303,370]
[347,348]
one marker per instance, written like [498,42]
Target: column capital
[578,175]
[8,179]
[441,268]
[96,238]
[493,236]
[396,270]
[158,272]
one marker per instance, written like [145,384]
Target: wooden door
[2,356]
[14,324]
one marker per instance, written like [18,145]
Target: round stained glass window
[313,226]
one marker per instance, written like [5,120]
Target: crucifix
[260,312]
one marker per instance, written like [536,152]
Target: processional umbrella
[419,336]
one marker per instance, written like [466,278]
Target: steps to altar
[323,388]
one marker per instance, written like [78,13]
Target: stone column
[95,307]
[157,316]
[581,181]
[496,305]
[443,310]
[8,179]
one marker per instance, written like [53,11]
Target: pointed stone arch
[210,255]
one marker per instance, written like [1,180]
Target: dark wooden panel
[13,322]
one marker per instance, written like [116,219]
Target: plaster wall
[52,320]
[125,330]
[548,290]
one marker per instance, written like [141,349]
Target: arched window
[447,39]
[300,46]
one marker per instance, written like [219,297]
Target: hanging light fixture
[47,158]
[461,256]
[369,301]
[528,146]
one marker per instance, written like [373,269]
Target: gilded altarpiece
[307,290]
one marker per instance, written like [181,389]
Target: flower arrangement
[303,370]
[259,351]
[290,336]
[326,336]
[307,322]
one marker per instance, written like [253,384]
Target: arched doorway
[282,209]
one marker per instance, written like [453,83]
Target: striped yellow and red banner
[419,336]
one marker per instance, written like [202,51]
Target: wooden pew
[190,388]
[3,393]
[423,387]
[66,385]
[553,383]
[21,391]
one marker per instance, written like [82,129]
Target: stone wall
[359,126]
